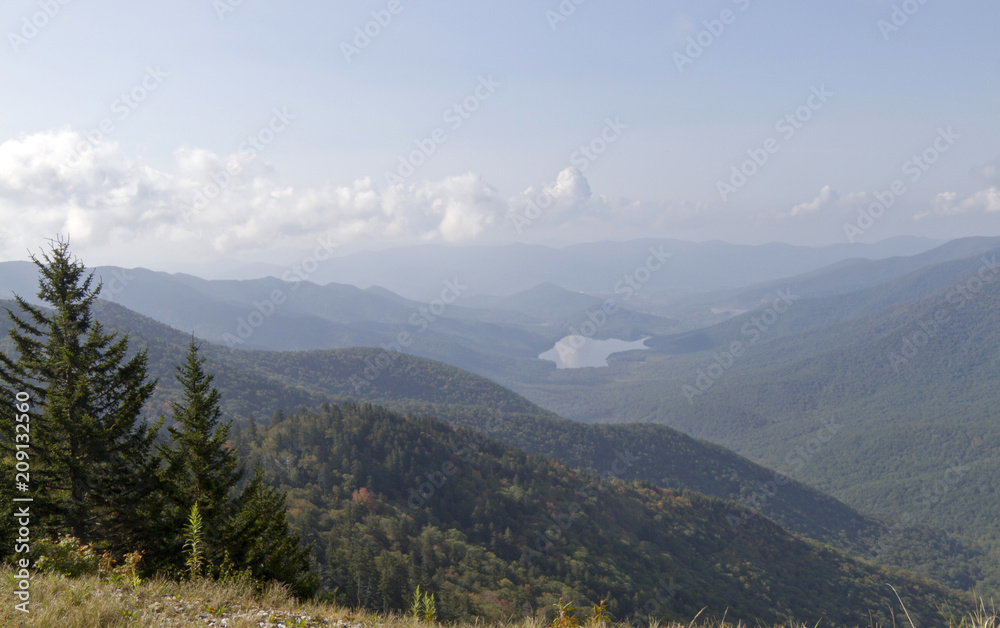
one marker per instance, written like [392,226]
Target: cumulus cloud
[827,199]
[952,204]
[566,208]
[58,182]
[46,187]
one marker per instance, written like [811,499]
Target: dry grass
[90,602]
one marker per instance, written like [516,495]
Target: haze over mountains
[852,403]
[417,272]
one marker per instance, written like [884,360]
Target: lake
[574,352]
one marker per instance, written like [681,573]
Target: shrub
[125,575]
[67,557]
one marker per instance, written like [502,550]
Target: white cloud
[56,182]
[104,199]
[567,209]
[951,204]
[103,195]
[827,199]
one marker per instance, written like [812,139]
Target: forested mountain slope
[391,503]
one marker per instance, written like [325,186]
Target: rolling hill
[390,503]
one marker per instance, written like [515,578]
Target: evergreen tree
[258,538]
[249,530]
[92,472]
[201,466]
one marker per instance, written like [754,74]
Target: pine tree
[92,472]
[258,537]
[250,529]
[201,467]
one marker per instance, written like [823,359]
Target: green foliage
[416,603]
[599,614]
[193,542]
[200,466]
[125,575]
[67,556]
[240,578]
[492,529]
[216,611]
[258,538]
[423,606]
[565,617]
[92,474]
[71,558]
[79,595]
[235,534]
[95,474]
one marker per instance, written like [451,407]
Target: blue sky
[216,73]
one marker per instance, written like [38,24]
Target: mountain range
[856,412]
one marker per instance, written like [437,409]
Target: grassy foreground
[91,601]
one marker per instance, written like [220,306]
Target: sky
[245,129]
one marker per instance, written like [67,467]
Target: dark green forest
[391,502]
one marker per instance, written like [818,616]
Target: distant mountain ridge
[594,268]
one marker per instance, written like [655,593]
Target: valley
[822,410]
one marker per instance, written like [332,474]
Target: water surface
[574,352]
